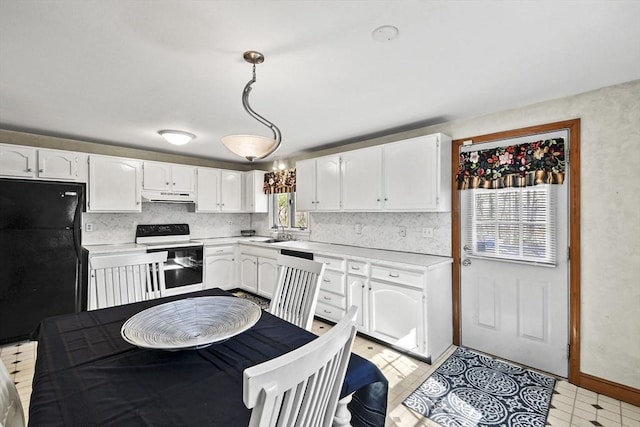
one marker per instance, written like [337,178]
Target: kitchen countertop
[359,253]
[114,248]
[329,249]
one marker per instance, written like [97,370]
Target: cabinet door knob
[166,183]
[355,267]
[40,170]
[327,298]
[394,275]
[28,170]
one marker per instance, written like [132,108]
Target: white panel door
[183,178]
[55,164]
[361,179]
[516,310]
[17,161]
[411,170]
[328,183]
[208,190]
[306,185]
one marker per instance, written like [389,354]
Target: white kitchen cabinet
[361,180]
[168,177]
[115,184]
[409,175]
[416,175]
[42,163]
[218,190]
[258,270]
[318,184]
[253,198]
[220,267]
[332,300]
[62,165]
[17,161]
[396,315]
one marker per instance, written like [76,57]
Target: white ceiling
[117,71]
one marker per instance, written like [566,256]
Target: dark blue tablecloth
[87,375]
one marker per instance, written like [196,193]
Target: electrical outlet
[358,229]
[88,227]
[403,231]
[427,232]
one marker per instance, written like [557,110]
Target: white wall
[610,219]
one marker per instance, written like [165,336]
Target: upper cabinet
[115,184]
[318,184]
[361,180]
[409,175]
[218,190]
[41,163]
[417,174]
[169,177]
[253,198]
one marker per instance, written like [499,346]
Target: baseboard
[609,388]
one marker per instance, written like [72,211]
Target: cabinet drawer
[331,263]
[395,275]
[329,312]
[357,267]
[217,250]
[332,299]
[333,281]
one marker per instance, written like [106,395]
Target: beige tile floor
[570,406]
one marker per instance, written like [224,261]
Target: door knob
[466,262]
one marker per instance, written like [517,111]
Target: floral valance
[522,165]
[283,181]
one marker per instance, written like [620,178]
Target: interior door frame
[573,212]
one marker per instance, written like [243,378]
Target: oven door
[183,269]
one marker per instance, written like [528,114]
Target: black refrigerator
[40,268]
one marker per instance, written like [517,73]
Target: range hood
[167,197]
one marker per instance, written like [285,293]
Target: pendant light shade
[253,147]
[250,147]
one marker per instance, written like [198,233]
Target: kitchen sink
[273,240]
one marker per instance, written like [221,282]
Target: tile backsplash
[379,230]
[121,227]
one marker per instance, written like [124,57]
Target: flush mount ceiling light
[253,147]
[386,33]
[176,137]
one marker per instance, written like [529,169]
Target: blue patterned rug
[474,390]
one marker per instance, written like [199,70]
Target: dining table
[86,374]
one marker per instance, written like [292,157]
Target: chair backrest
[296,294]
[301,387]
[127,278]
[11,412]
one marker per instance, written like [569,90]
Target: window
[283,208]
[516,224]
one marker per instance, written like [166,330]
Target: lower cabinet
[396,315]
[259,271]
[220,267]
[332,300]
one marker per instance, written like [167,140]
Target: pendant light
[253,147]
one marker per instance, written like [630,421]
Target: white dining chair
[301,387]
[296,294]
[11,412]
[124,279]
